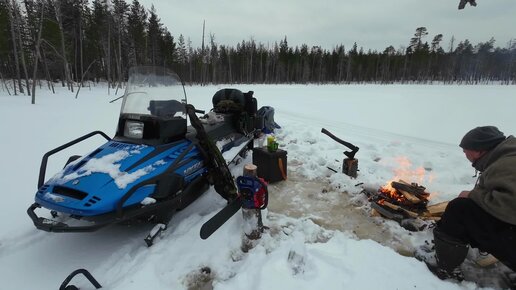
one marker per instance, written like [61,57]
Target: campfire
[402,201]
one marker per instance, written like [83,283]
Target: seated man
[485,217]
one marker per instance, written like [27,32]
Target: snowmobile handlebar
[349,154]
[43,167]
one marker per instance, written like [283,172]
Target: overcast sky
[373,24]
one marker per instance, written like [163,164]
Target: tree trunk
[229,66]
[15,46]
[37,54]
[3,81]
[47,73]
[119,57]
[57,9]
[22,52]
[81,51]
[109,56]
[79,89]
[348,69]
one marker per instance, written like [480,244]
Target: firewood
[412,198]
[374,212]
[437,209]
[396,207]
[387,212]
[486,261]
[413,188]
[431,218]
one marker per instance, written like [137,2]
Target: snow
[110,164]
[320,234]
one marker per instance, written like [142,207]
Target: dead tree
[82,78]
[57,8]
[3,81]
[37,55]
[15,46]
[47,72]
[22,52]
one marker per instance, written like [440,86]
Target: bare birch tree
[15,47]
[37,55]
[59,17]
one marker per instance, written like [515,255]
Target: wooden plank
[387,213]
[437,209]
[409,196]
[431,218]
[414,189]
[396,207]
[486,261]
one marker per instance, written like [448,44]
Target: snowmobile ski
[213,224]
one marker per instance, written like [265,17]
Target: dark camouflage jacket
[495,190]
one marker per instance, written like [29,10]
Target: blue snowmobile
[155,164]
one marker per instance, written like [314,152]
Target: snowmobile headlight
[133,129]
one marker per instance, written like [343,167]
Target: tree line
[73,41]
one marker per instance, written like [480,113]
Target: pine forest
[44,43]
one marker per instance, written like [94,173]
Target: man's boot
[449,254]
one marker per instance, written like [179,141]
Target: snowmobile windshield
[154,91]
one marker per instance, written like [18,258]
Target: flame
[405,171]
[391,192]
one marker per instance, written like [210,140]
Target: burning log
[405,203]
[410,196]
[414,190]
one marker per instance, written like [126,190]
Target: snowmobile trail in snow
[121,247]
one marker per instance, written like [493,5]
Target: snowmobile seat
[166,109]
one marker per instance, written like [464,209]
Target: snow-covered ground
[320,235]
